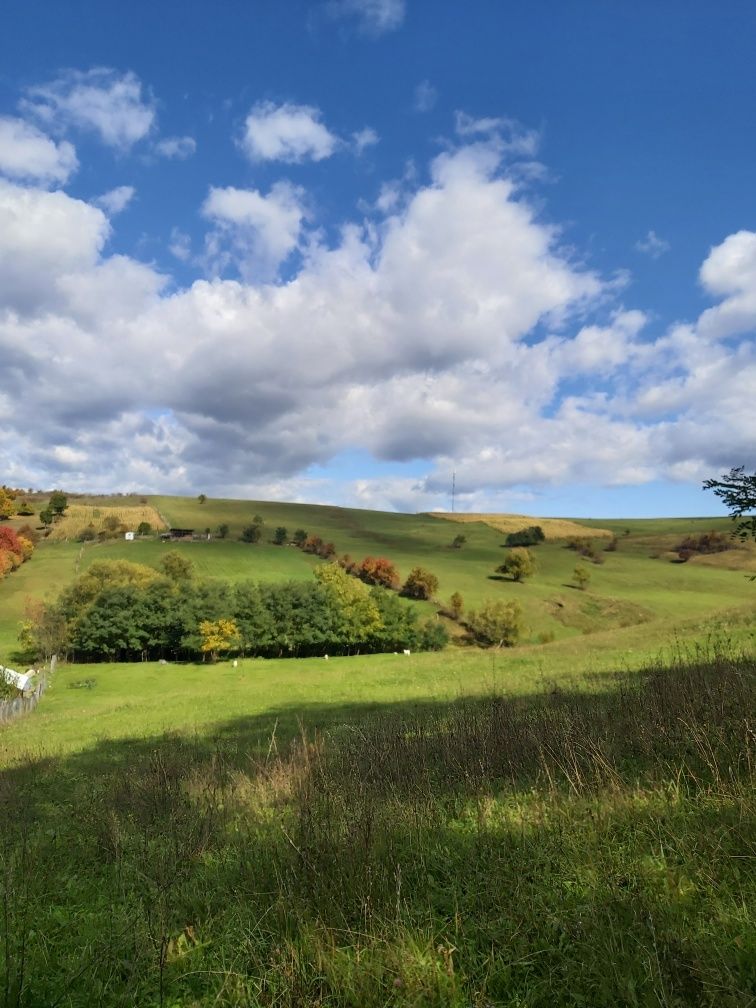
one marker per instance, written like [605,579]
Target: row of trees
[121,611]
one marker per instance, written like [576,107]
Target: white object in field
[236,663]
[407,651]
[129,536]
[22,681]
[326,657]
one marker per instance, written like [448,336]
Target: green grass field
[516,827]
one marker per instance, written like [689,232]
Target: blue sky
[335,251]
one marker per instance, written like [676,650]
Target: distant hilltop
[553,528]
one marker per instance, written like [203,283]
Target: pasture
[565,822]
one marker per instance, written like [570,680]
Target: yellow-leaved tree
[218,636]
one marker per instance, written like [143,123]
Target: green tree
[300,538]
[359,617]
[58,502]
[458,541]
[497,624]
[46,516]
[737,490]
[581,576]
[280,535]
[251,534]
[144,529]
[519,564]
[223,531]
[202,498]
[177,567]
[420,584]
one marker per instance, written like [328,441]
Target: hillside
[534,825]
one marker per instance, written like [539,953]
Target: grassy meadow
[566,822]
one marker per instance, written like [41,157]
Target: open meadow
[565,822]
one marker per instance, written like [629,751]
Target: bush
[144,529]
[520,564]
[251,534]
[420,584]
[377,571]
[530,536]
[87,534]
[432,636]
[708,542]
[498,624]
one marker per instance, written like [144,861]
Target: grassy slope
[655,598]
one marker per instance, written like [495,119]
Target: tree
[519,564]
[177,567]
[251,534]
[280,535]
[202,498]
[144,529]
[300,538]
[458,541]
[218,636]
[530,536]
[8,506]
[58,502]
[223,531]
[359,616]
[420,584]
[456,605]
[377,571]
[581,576]
[737,490]
[498,624]
[46,516]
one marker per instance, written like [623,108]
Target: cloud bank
[452,326]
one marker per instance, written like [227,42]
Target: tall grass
[574,850]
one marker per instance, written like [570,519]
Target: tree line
[123,611]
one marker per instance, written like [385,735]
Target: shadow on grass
[571,848]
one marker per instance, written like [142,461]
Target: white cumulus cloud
[28,154]
[101,100]
[286,132]
[253,232]
[454,328]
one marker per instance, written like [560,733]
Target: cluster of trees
[15,547]
[13,502]
[56,507]
[708,542]
[121,611]
[530,536]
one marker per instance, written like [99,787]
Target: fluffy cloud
[99,100]
[253,233]
[452,328]
[286,132]
[27,154]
